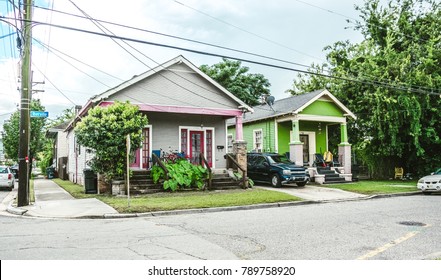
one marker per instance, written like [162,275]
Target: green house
[300,126]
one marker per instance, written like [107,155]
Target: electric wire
[369,82]
[429,91]
[179,38]
[244,52]
[287,47]
[246,31]
[107,31]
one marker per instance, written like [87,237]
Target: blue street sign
[39,114]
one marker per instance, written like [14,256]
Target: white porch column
[295,146]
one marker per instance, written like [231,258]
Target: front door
[196,145]
[142,155]
[146,148]
[305,140]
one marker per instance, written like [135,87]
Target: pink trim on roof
[183,110]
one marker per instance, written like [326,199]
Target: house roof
[52,131]
[292,105]
[176,81]
[165,66]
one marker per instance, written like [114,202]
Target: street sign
[39,114]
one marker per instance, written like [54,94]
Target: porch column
[344,150]
[240,147]
[240,152]
[344,134]
[295,146]
[239,128]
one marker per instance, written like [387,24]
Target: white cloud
[299,27]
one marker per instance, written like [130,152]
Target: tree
[393,74]
[104,130]
[11,133]
[235,78]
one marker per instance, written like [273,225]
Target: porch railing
[203,161]
[244,172]
[157,160]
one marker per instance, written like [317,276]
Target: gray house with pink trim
[186,110]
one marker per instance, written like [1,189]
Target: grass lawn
[181,200]
[377,187]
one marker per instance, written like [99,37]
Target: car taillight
[9,176]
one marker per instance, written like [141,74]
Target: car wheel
[275,181]
[301,184]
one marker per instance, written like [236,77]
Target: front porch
[305,141]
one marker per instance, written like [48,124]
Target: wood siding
[179,85]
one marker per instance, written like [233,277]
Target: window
[184,141]
[258,140]
[230,143]
[209,146]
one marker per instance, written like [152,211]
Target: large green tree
[235,78]
[104,130]
[11,133]
[391,81]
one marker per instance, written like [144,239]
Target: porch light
[319,128]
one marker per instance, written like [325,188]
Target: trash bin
[90,181]
[50,172]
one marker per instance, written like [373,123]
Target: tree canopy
[235,78]
[11,133]
[104,130]
[391,81]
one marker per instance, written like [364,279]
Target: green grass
[377,187]
[182,200]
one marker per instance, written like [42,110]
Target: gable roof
[293,105]
[167,66]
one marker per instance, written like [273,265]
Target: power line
[178,37]
[370,82]
[376,83]
[382,81]
[244,30]
[104,29]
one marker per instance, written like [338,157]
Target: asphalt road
[399,228]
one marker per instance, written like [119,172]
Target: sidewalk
[52,201]
[316,193]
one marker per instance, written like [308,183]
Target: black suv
[275,169]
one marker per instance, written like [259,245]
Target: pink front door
[143,153]
[196,145]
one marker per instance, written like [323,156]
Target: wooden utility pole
[25,104]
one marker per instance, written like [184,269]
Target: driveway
[315,193]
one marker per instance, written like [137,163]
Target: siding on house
[78,157]
[268,134]
[323,107]
[62,147]
[178,85]
[166,132]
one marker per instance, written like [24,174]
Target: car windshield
[438,172]
[3,169]
[278,159]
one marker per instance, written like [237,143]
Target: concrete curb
[23,212]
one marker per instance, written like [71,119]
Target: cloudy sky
[76,65]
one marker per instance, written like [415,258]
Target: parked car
[14,170]
[430,183]
[275,169]
[7,178]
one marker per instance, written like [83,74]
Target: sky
[75,66]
